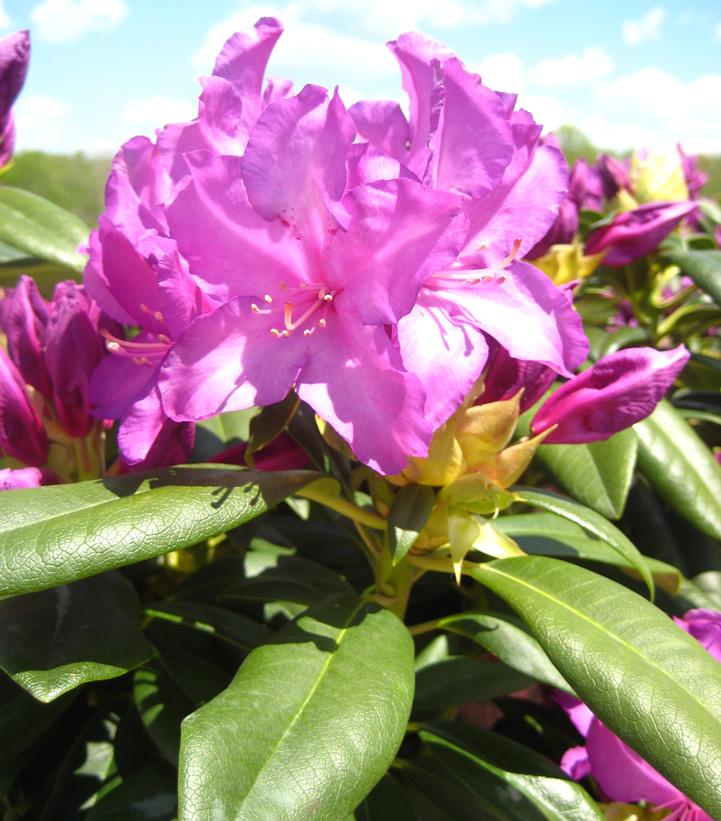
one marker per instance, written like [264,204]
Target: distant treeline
[77,181]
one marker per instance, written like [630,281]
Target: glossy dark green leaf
[225,625]
[40,228]
[309,724]
[58,639]
[387,801]
[270,423]
[147,795]
[57,534]
[645,678]
[284,578]
[214,435]
[592,522]
[680,467]
[507,638]
[161,705]
[462,679]
[598,474]
[547,534]
[408,515]
[704,268]
[479,758]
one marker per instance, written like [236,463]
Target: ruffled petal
[383,123]
[355,381]
[532,318]
[231,251]
[399,233]
[229,360]
[446,353]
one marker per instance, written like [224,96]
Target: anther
[275,332]
[308,331]
[164,339]
[254,308]
[322,323]
[159,316]
[267,298]
[113,347]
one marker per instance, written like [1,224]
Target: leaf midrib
[322,673]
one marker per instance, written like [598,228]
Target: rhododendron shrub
[348,453]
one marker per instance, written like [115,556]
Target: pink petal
[383,123]
[446,353]
[399,233]
[354,380]
[229,360]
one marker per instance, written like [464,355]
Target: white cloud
[151,112]
[62,21]
[645,28]
[572,70]
[40,122]
[503,72]
[669,108]
[5,21]
[546,109]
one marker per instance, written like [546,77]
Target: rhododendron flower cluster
[369,270]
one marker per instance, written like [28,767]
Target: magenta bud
[705,627]
[22,434]
[619,390]
[635,234]
[19,479]
[25,316]
[14,56]
[73,349]
[614,175]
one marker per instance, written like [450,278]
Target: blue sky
[629,73]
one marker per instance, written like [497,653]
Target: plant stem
[345,508]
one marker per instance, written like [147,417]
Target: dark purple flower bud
[25,317]
[614,175]
[73,349]
[585,187]
[22,434]
[14,56]
[561,232]
[506,376]
[19,479]
[619,390]
[694,176]
[634,234]
[705,627]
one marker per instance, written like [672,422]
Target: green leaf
[57,534]
[285,578]
[269,424]
[214,435]
[162,706]
[146,795]
[407,517]
[41,228]
[598,474]
[309,724]
[462,679]
[590,521]
[680,467]
[58,639]
[646,679]
[388,801]
[478,758]
[547,534]
[704,268]
[507,638]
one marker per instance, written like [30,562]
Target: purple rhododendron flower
[620,772]
[14,57]
[619,390]
[19,479]
[634,234]
[22,434]
[25,316]
[312,274]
